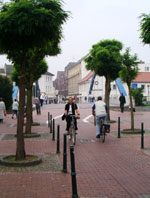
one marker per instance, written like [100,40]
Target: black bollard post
[58,139]
[65,154]
[73,173]
[118,127]
[48,119]
[142,135]
[53,130]
[51,124]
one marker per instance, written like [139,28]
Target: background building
[46,84]
[60,83]
[6,70]
[67,68]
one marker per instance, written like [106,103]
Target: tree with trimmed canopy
[128,74]
[105,60]
[41,68]
[26,28]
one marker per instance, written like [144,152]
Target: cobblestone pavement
[118,168]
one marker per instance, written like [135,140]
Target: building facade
[67,68]
[60,83]
[6,70]
[46,84]
[74,77]
[143,81]
[75,74]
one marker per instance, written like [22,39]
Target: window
[114,86]
[146,68]
[143,86]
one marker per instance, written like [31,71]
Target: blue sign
[15,92]
[134,85]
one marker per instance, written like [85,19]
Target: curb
[20,164]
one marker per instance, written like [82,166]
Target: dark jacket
[122,100]
[74,107]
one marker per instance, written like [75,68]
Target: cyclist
[99,110]
[70,109]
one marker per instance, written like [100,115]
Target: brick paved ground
[114,169]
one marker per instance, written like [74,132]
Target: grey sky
[94,20]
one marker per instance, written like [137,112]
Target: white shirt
[100,108]
[15,105]
[70,110]
[42,97]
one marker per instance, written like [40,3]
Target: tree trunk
[131,109]
[20,147]
[29,111]
[107,94]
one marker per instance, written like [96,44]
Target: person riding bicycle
[99,110]
[70,109]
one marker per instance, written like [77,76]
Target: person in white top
[15,107]
[42,98]
[99,110]
[2,110]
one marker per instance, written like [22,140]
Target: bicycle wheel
[73,136]
[102,134]
[70,131]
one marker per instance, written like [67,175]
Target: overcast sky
[93,20]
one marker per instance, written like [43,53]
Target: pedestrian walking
[36,101]
[46,99]
[2,110]
[15,107]
[122,100]
[42,98]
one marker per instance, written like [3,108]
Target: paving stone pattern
[118,168]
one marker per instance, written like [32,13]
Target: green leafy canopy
[105,58]
[130,67]
[145,28]
[29,24]
[41,68]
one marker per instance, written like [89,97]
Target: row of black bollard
[51,124]
[73,172]
[142,132]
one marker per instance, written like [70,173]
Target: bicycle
[72,130]
[105,128]
[102,129]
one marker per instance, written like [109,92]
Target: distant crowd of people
[38,102]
